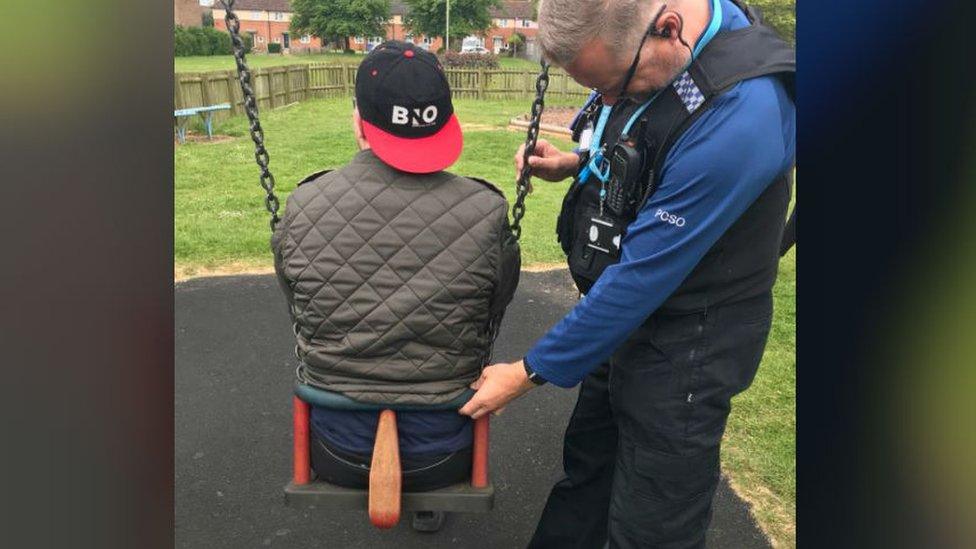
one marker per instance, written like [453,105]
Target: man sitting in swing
[394,271]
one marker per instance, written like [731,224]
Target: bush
[204,41]
[453,59]
[274,47]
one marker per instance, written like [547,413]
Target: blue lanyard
[710,32]
[597,164]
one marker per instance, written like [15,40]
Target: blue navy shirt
[712,174]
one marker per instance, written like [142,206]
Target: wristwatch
[533,376]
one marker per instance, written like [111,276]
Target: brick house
[187,13]
[511,17]
[268,22]
[395,30]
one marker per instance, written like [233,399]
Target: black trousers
[420,473]
[641,453]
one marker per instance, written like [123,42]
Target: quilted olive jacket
[391,279]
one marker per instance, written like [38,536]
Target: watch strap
[534,377]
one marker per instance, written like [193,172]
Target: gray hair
[566,25]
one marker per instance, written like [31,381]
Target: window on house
[358,40]
[526,23]
[260,39]
[408,38]
[428,41]
[305,39]
[278,16]
[377,39]
[502,23]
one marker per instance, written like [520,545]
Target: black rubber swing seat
[458,498]
[475,496]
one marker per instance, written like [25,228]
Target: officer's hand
[499,384]
[547,161]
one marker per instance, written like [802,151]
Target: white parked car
[472,44]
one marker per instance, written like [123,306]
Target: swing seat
[383,498]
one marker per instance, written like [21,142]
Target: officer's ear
[669,25]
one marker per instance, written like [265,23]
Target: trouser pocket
[661,499]
[674,478]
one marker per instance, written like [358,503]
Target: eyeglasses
[651,31]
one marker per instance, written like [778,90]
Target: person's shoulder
[755,97]
[309,189]
[481,186]
[746,109]
[751,120]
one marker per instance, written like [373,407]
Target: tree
[517,39]
[337,20]
[467,17]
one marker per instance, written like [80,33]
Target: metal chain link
[494,324]
[522,185]
[251,109]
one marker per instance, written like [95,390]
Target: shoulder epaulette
[486,183]
[312,176]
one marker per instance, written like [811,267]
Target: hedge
[454,59]
[204,41]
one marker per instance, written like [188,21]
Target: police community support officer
[672,228]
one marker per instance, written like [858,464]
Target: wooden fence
[279,86]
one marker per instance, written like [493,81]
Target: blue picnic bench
[182,116]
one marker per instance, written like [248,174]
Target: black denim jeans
[420,473]
[641,453]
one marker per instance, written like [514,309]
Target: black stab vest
[743,262]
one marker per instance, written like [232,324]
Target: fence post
[271,99]
[205,88]
[481,83]
[180,102]
[288,72]
[308,82]
[229,78]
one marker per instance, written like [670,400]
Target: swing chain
[522,185]
[494,323]
[251,109]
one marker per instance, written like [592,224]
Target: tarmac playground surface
[234,375]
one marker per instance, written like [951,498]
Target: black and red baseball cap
[405,104]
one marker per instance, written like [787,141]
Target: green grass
[220,221]
[759,451]
[204,63]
